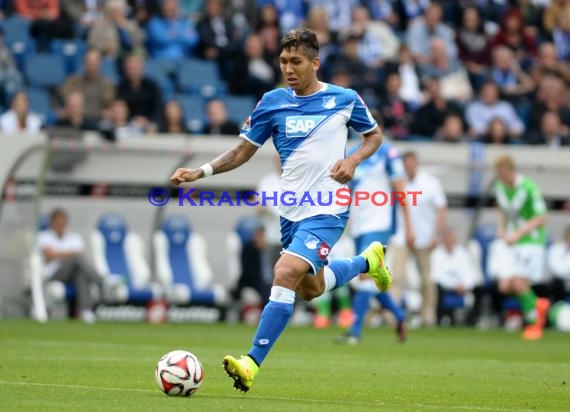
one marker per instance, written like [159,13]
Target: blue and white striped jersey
[310,134]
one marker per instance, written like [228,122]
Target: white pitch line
[269,398]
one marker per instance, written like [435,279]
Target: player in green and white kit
[522,227]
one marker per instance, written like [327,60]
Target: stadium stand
[120,252]
[180,255]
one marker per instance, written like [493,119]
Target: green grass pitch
[69,366]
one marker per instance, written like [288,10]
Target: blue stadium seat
[154,70]
[16,30]
[119,252]
[239,107]
[40,103]
[182,265]
[44,70]
[200,77]
[72,52]
[194,111]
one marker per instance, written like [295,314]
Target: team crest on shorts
[311,242]
[329,102]
[324,250]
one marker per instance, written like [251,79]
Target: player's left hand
[343,170]
[512,238]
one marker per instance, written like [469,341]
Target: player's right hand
[185,175]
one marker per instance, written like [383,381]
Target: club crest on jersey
[329,102]
[301,126]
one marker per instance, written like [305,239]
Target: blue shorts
[362,241]
[312,239]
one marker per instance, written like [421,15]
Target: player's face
[298,69]
[506,175]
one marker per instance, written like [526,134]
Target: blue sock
[388,303]
[346,269]
[360,305]
[274,319]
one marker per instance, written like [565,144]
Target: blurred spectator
[552,132]
[548,64]
[143,10]
[318,21]
[256,271]
[64,260]
[376,42]
[473,45]
[172,119]
[497,133]
[410,10]
[19,119]
[142,95]
[428,119]
[10,78]
[481,112]
[83,12]
[410,91]
[453,78]
[118,126]
[428,220]
[513,36]
[47,21]
[253,73]
[561,37]
[217,120]
[73,114]
[453,271]
[532,13]
[513,82]
[98,91]
[348,59]
[113,33]
[558,261]
[269,31]
[422,30]
[453,130]
[216,33]
[290,13]
[244,16]
[383,10]
[552,13]
[394,112]
[269,211]
[169,36]
[339,13]
[552,96]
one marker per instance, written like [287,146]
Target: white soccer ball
[179,373]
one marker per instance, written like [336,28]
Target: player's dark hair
[58,211]
[305,38]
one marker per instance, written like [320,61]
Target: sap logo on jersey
[301,126]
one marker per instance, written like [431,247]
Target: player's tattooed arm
[225,162]
[343,170]
[234,158]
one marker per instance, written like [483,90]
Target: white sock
[330,279]
[281,294]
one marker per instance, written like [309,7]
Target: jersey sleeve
[361,119]
[257,127]
[439,197]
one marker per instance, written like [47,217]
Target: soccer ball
[559,316]
[179,373]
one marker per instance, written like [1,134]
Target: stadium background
[116,175]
